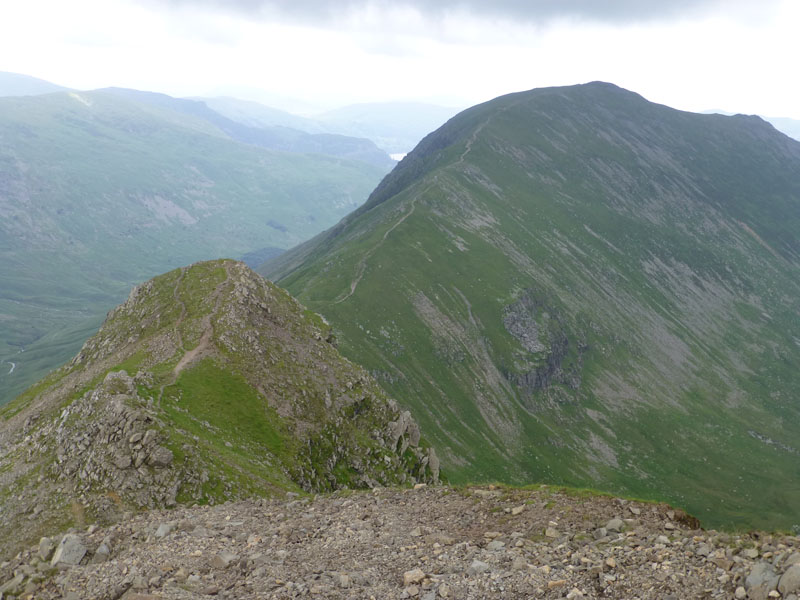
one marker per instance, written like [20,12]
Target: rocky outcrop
[111,438]
[554,357]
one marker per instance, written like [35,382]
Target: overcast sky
[737,55]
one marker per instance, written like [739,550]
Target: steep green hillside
[207,384]
[575,285]
[98,192]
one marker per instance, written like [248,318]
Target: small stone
[669,525]
[519,564]
[102,554]
[611,563]
[551,532]
[662,539]
[223,560]
[412,591]
[495,545]
[517,510]
[164,529]
[761,580]
[790,580]
[703,550]
[46,547]
[635,510]
[750,553]
[444,590]
[413,576]
[12,586]
[69,552]
[615,525]
[161,457]
[600,533]
[575,593]
[740,593]
[794,559]
[556,583]
[477,567]
[344,581]
[416,532]
[419,486]
[135,437]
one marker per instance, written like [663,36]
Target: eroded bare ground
[425,543]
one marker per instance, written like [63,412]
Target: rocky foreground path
[425,543]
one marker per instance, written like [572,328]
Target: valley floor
[426,543]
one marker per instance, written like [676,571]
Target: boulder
[70,551]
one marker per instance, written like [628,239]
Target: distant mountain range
[575,285]
[15,84]
[101,190]
[395,127]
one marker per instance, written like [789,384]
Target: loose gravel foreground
[426,543]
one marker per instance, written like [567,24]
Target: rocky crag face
[208,384]
[578,286]
[427,543]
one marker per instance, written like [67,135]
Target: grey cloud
[321,11]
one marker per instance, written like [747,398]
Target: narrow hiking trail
[362,264]
[204,344]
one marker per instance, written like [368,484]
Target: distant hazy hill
[206,385]
[397,127]
[576,285]
[273,137]
[15,84]
[98,192]
[258,115]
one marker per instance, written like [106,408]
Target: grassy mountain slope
[98,192]
[207,384]
[575,285]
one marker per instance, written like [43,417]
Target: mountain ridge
[207,384]
[556,271]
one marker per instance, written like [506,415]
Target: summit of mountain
[208,384]
[576,285]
